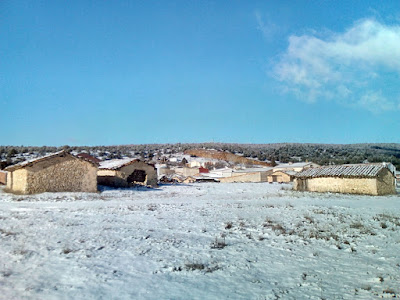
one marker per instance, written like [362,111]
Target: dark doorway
[137,176]
[274,178]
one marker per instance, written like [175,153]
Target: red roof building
[203,170]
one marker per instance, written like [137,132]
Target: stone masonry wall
[16,181]
[247,177]
[365,186]
[118,178]
[386,183]
[151,172]
[63,174]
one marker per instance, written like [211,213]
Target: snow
[253,170]
[199,241]
[113,164]
[32,160]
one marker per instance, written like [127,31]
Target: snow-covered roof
[354,170]
[114,164]
[289,172]
[253,170]
[30,162]
[224,170]
[293,165]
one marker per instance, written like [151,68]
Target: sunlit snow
[199,241]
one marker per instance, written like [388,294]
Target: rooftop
[114,164]
[293,165]
[354,170]
[33,161]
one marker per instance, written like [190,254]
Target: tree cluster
[323,154]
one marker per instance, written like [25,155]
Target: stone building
[296,167]
[126,172]
[281,176]
[57,172]
[248,175]
[368,179]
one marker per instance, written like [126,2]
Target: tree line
[323,154]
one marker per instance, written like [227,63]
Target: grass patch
[7,232]
[219,244]
[195,266]
[228,225]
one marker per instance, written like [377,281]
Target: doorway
[137,176]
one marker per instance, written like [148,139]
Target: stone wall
[3,177]
[62,174]
[151,172]
[17,181]
[103,172]
[118,178]
[190,171]
[386,183]
[246,177]
[367,186]
[280,177]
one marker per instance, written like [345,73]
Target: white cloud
[266,27]
[343,66]
[376,102]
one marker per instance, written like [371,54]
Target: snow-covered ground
[199,241]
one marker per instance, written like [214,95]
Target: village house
[186,171]
[57,172]
[126,172]
[164,170]
[194,164]
[368,179]
[296,167]
[226,172]
[248,175]
[284,176]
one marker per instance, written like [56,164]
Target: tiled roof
[357,170]
[89,157]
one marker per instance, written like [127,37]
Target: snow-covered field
[199,241]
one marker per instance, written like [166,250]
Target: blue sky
[134,72]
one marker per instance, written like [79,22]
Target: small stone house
[57,172]
[248,175]
[296,167]
[126,172]
[281,176]
[367,179]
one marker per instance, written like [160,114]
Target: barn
[57,172]
[126,172]
[368,179]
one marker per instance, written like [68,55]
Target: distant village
[70,171]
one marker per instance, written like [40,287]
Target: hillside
[323,154]
[226,156]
